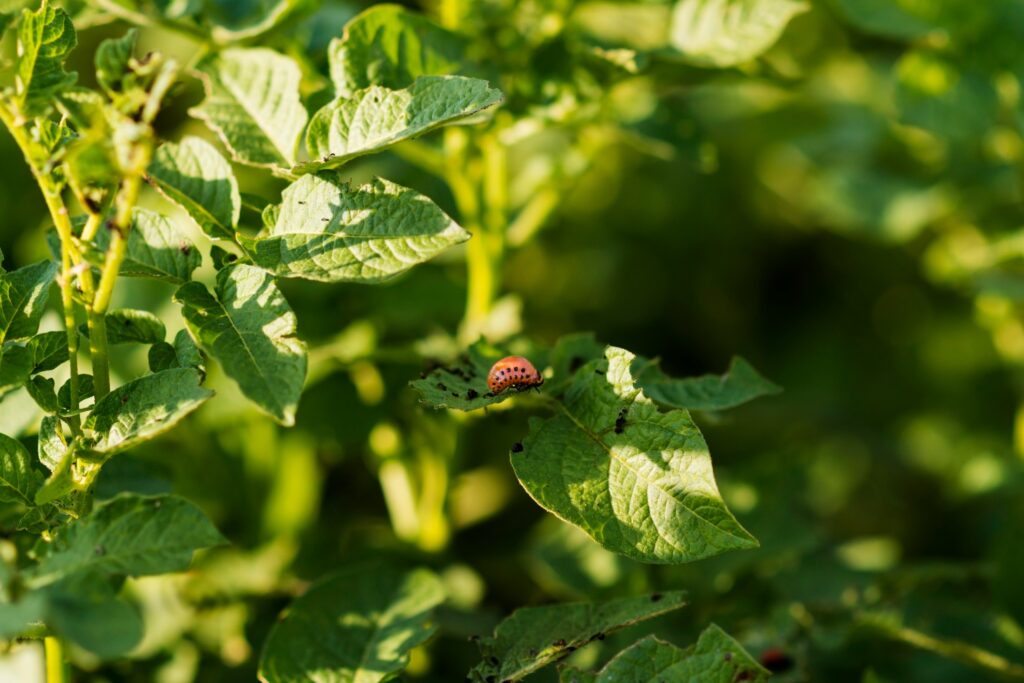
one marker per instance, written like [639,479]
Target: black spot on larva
[655,597]
[471,394]
[517,447]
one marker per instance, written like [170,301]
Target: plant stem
[56,670]
[957,650]
[59,214]
[119,228]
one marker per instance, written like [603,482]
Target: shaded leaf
[390,46]
[637,480]
[722,33]
[463,384]
[156,250]
[194,175]
[23,296]
[742,383]
[45,37]
[716,658]
[533,637]
[44,392]
[248,326]
[357,625]
[49,350]
[89,613]
[16,363]
[113,57]
[252,103]
[132,326]
[376,117]
[143,408]
[19,480]
[330,232]
[85,390]
[130,535]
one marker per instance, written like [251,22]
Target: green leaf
[637,480]
[721,33]
[194,175]
[85,390]
[23,299]
[51,445]
[390,46]
[904,19]
[49,350]
[129,535]
[330,232]
[183,353]
[131,326]
[715,658]
[376,117]
[155,250]
[19,480]
[357,625]
[16,363]
[742,383]
[17,617]
[533,637]
[89,613]
[44,392]
[249,327]
[45,37]
[113,59]
[143,408]
[463,384]
[252,103]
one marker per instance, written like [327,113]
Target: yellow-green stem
[56,668]
[956,650]
[59,214]
[434,530]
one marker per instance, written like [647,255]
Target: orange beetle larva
[513,372]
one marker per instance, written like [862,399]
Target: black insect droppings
[727,656]
[455,394]
[559,643]
[442,387]
[620,421]
[655,597]
[471,394]
[598,372]
[494,661]
[517,447]
[575,363]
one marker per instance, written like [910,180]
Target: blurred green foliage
[843,210]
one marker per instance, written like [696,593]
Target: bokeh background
[844,212]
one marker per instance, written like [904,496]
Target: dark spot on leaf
[775,660]
[598,372]
[442,387]
[743,676]
[471,394]
[599,636]
[473,638]
[575,363]
[559,643]
[655,597]
[571,648]
[490,679]
[494,661]
[517,447]
[455,394]
[185,248]
[100,550]
[727,656]
[533,652]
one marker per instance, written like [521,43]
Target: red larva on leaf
[513,372]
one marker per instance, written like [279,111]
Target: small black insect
[620,421]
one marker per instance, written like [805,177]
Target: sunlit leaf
[389,45]
[19,480]
[143,408]
[329,231]
[130,535]
[252,103]
[248,326]
[376,117]
[23,296]
[357,625]
[194,175]
[637,480]
[723,33]
[45,37]
[533,637]
[156,249]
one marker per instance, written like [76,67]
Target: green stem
[140,19]
[957,650]
[59,214]
[56,669]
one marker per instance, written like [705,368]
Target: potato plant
[246,425]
